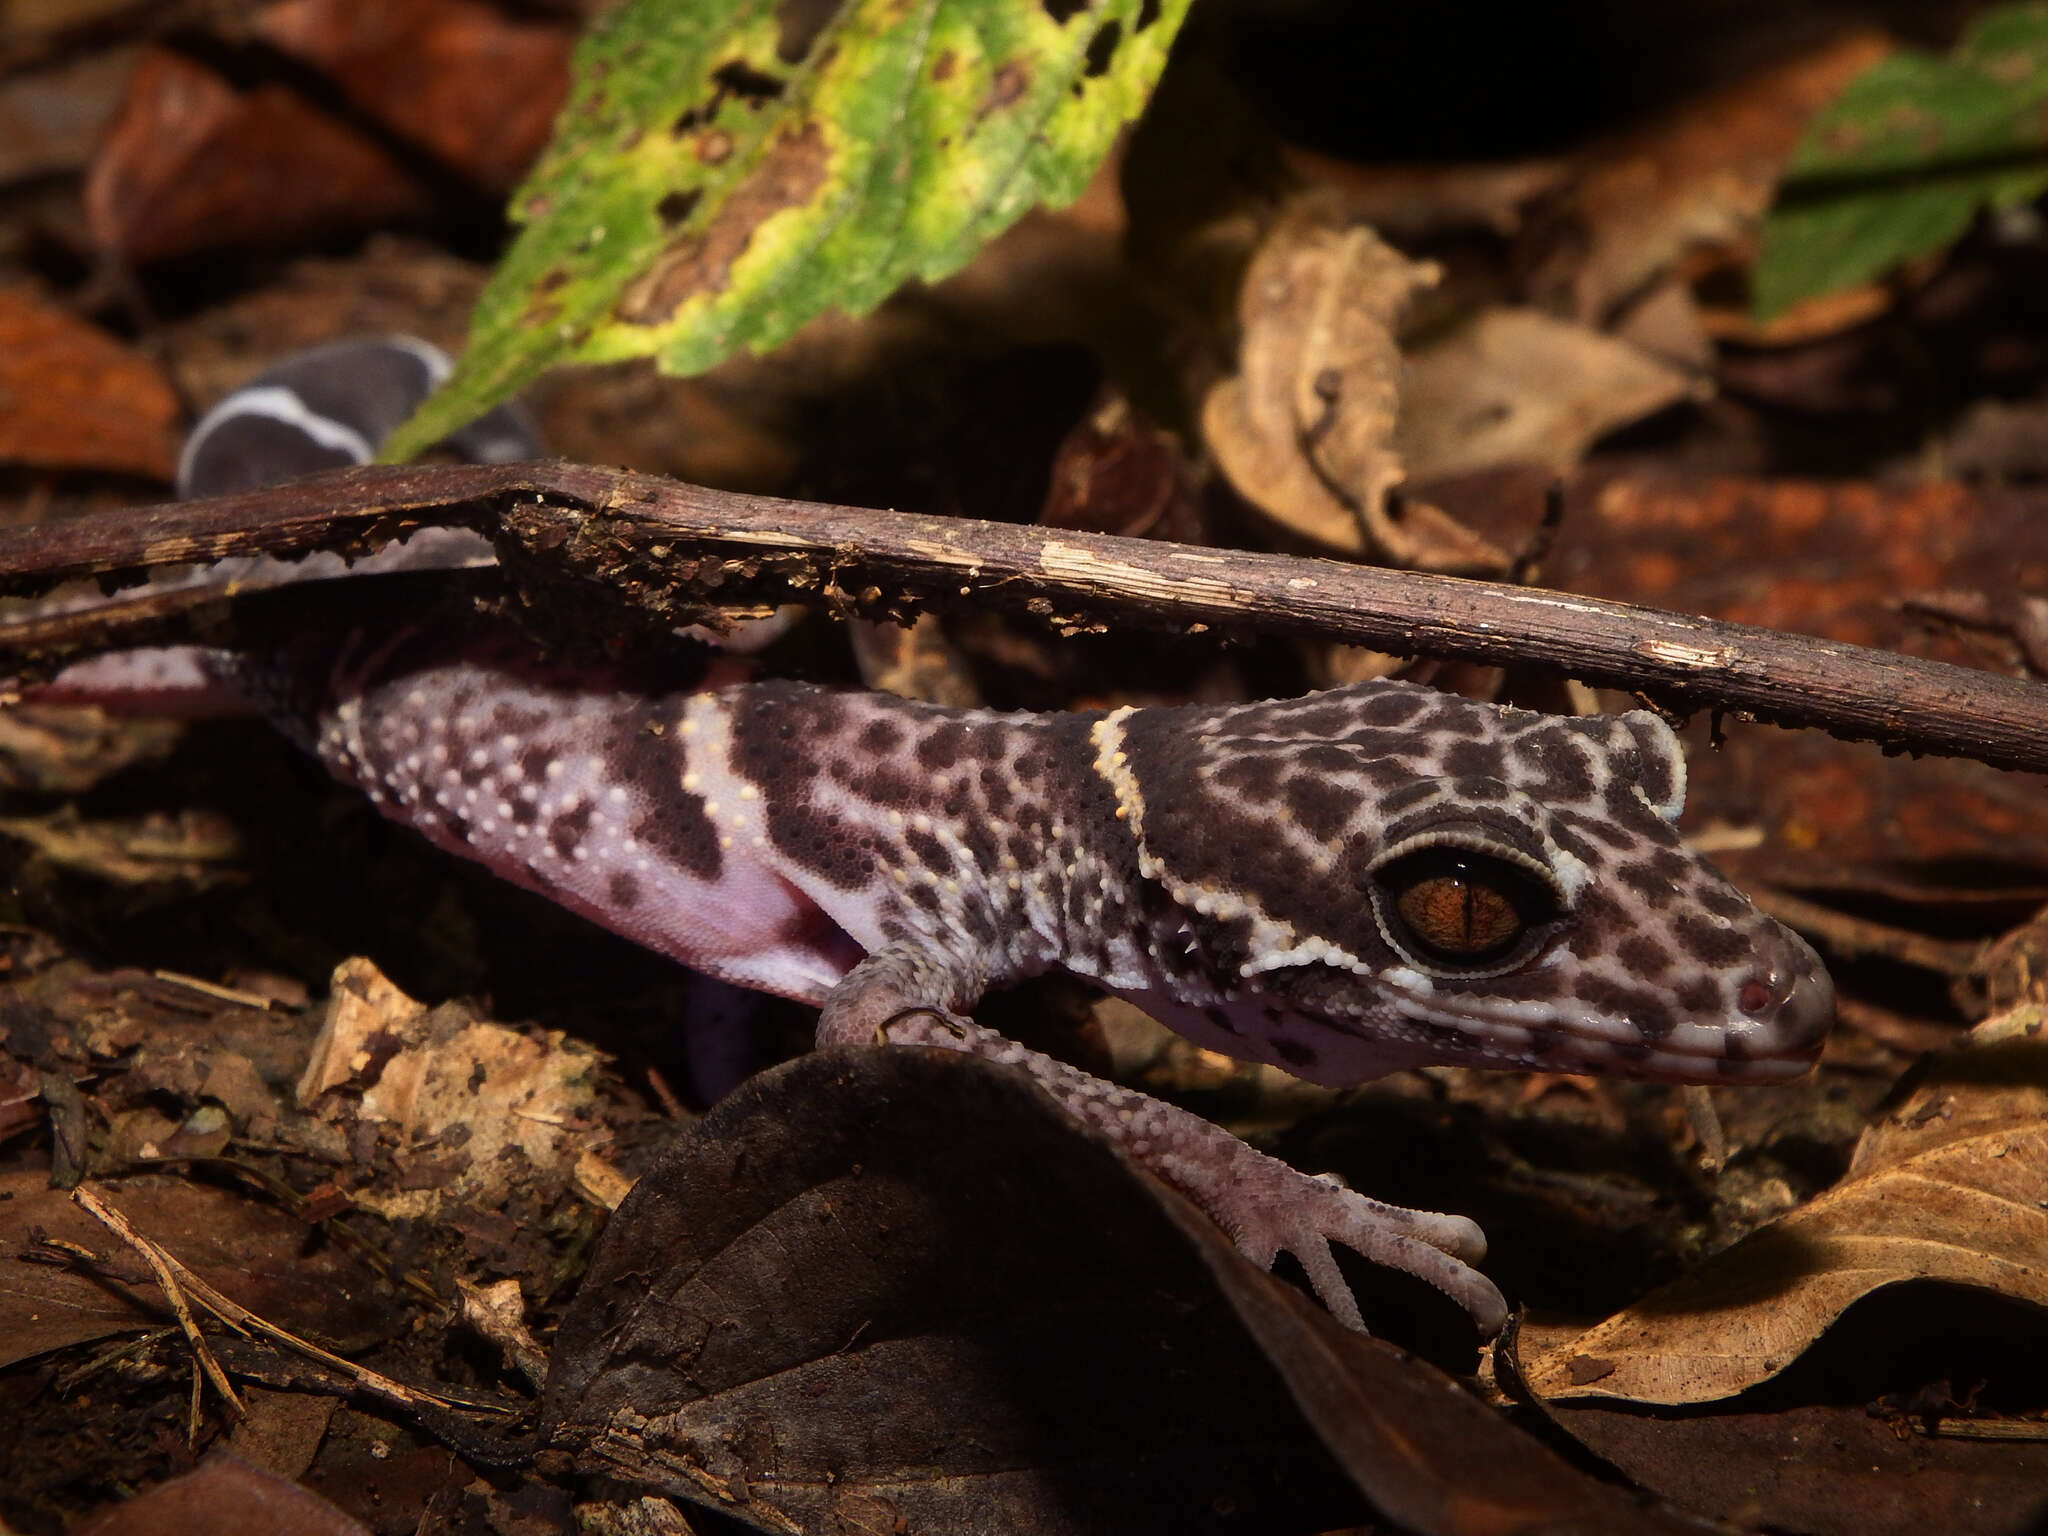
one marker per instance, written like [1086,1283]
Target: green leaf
[1900,163]
[725,170]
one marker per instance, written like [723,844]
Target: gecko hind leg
[911,997]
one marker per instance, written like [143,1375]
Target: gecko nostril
[1755,997]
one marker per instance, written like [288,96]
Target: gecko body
[1341,885]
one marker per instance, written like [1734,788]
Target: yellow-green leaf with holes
[726,170]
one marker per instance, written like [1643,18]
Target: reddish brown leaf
[192,164]
[465,82]
[72,397]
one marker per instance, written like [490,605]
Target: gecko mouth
[1774,1032]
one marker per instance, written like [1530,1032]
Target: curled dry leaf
[1305,429]
[1517,385]
[1947,1185]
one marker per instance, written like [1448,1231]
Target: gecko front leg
[910,994]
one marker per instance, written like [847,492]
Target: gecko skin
[1340,885]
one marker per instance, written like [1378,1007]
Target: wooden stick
[668,549]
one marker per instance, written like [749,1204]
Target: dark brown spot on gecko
[1409,796]
[1257,776]
[941,745]
[1482,760]
[1567,772]
[623,888]
[1699,997]
[1295,1053]
[928,851]
[671,821]
[1646,881]
[1709,941]
[879,738]
[1321,808]
[1643,955]
[995,791]
[567,831]
[1721,900]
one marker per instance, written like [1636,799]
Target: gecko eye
[1458,907]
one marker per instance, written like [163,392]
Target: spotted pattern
[1226,867]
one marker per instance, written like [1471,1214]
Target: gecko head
[1416,878]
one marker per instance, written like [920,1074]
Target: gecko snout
[1790,1004]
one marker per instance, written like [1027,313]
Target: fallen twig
[668,550]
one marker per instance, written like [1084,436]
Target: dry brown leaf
[191,163]
[72,397]
[424,1073]
[1949,1185]
[1304,430]
[1517,385]
[476,88]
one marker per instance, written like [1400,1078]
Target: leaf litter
[1603,1167]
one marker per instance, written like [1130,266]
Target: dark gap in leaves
[1064,11]
[738,78]
[1102,48]
[1148,12]
[797,25]
[676,207]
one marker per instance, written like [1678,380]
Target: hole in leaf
[797,25]
[1148,12]
[1064,11]
[1102,48]
[738,78]
[676,207]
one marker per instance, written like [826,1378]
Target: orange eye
[1462,907]
[1458,916]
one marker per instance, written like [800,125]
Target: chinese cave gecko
[1376,877]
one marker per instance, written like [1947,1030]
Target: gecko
[1342,885]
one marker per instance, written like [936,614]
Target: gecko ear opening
[1658,765]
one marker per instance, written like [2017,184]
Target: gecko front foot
[1264,1205]
[1268,1208]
